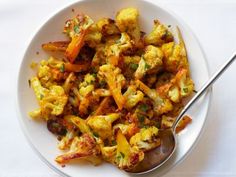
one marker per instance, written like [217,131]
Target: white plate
[45,144]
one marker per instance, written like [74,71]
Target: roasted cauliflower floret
[102,124]
[77,29]
[151,62]
[66,141]
[114,51]
[127,156]
[87,85]
[127,129]
[160,104]
[185,84]
[127,21]
[146,139]
[80,123]
[81,147]
[132,96]
[159,35]
[52,100]
[93,36]
[109,153]
[107,27]
[115,80]
[175,55]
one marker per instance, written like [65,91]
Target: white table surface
[214,23]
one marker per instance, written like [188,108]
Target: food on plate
[112,89]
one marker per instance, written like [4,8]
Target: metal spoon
[157,157]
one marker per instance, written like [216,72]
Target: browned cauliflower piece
[52,101]
[107,27]
[159,35]
[102,124]
[127,21]
[115,80]
[146,139]
[151,62]
[175,55]
[127,157]
[132,96]
[82,147]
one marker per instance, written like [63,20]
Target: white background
[213,22]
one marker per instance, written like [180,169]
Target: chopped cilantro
[41,96]
[94,75]
[62,68]
[147,66]
[122,154]
[76,29]
[113,142]
[95,135]
[133,66]
[141,118]
[185,90]
[143,107]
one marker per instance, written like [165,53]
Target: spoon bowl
[158,155]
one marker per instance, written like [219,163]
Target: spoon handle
[203,89]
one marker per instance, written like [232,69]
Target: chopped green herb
[95,135]
[76,29]
[185,90]
[143,107]
[122,154]
[141,118]
[41,96]
[94,75]
[113,142]
[29,82]
[133,66]
[147,66]
[62,68]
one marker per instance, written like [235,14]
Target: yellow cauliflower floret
[113,52]
[151,62]
[146,139]
[87,85]
[115,80]
[127,157]
[66,141]
[107,26]
[102,124]
[78,122]
[175,55]
[127,21]
[132,96]
[127,129]
[55,63]
[35,114]
[82,147]
[93,36]
[185,84]
[55,100]
[160,105]
[109,153]
[159,35]
[132,59]
[174,94]
[52,100]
